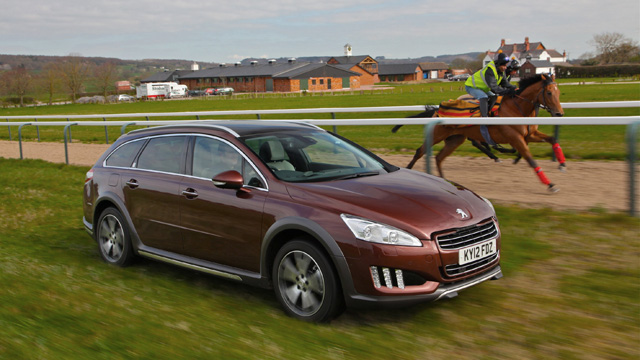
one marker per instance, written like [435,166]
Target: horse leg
[450,144]
[538,136]
[520,145]
[484,147]
[419,153]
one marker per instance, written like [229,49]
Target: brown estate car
[292,207]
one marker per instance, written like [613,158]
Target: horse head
[549,96]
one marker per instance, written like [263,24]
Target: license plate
[478,251]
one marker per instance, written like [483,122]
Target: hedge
[598,71]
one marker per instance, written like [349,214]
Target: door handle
[190,193]
[133,183]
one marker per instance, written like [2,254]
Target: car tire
[113,238]
[305,282]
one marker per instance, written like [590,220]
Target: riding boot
[492,101]
[484,107]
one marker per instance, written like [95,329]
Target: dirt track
[585,185]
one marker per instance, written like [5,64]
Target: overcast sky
[228,31]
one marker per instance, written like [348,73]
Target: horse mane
[525,83]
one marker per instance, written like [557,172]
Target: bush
[597,71]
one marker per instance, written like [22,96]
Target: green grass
[568,277]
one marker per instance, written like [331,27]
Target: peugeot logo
[463,215]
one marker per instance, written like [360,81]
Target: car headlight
[367,230]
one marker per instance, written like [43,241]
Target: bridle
[537,104]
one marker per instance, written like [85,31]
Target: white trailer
[161,90]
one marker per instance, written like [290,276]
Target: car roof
[238,128]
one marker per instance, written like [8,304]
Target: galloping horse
[534,92]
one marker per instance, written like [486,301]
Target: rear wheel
[114,238]
[305,283]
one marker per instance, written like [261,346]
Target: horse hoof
[562,167]
[498,160]
[553,189]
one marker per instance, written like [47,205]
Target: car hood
[407,199]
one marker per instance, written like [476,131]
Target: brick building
[290,76]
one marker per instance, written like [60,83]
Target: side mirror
[228,180]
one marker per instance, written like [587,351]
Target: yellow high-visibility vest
[478,80]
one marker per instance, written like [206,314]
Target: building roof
[290,70]
[315,71]
[541,63]
[165,76]
[236,70]
[356,59]
[433,66]
[397,69]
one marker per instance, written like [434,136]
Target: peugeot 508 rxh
[292,207]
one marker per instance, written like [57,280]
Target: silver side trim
[189,266]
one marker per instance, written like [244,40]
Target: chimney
[502,43]
[526,44]
[347,49]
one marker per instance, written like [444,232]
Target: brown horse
[534,92]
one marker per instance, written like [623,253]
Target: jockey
[490,81]
[512,68]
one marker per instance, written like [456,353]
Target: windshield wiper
[357,175]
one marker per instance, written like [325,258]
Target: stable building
[400,72]
[269,76]
[364,65]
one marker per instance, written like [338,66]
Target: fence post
[9,127]
[631,148]
[37,130]
[70,138]
[125,126]
[106,132]
[20,137]
[335,127]
[428,142]
[556,135]
[66,150]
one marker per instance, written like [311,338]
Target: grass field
[570,291]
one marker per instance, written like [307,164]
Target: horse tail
[429,112]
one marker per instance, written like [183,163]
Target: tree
[19,82]
[74,71]
[614,48]
[105,75]
[50,80]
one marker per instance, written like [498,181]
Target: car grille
[455,269]
[467,236]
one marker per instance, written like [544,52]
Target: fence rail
[632,123]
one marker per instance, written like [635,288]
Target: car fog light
[399,279]
[376,277]
[387,277]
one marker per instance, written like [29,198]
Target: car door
[152,192]
[222,225]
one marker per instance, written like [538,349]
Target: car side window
[125,154]
[212,157]
[165,153]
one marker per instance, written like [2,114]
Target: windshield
[314,155]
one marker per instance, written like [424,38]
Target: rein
[536,103]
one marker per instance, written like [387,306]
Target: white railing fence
[632,123]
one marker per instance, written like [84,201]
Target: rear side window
[164,154]
[125,154]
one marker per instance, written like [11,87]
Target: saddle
[465,106]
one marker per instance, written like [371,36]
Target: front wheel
[305,283]
[114,239]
